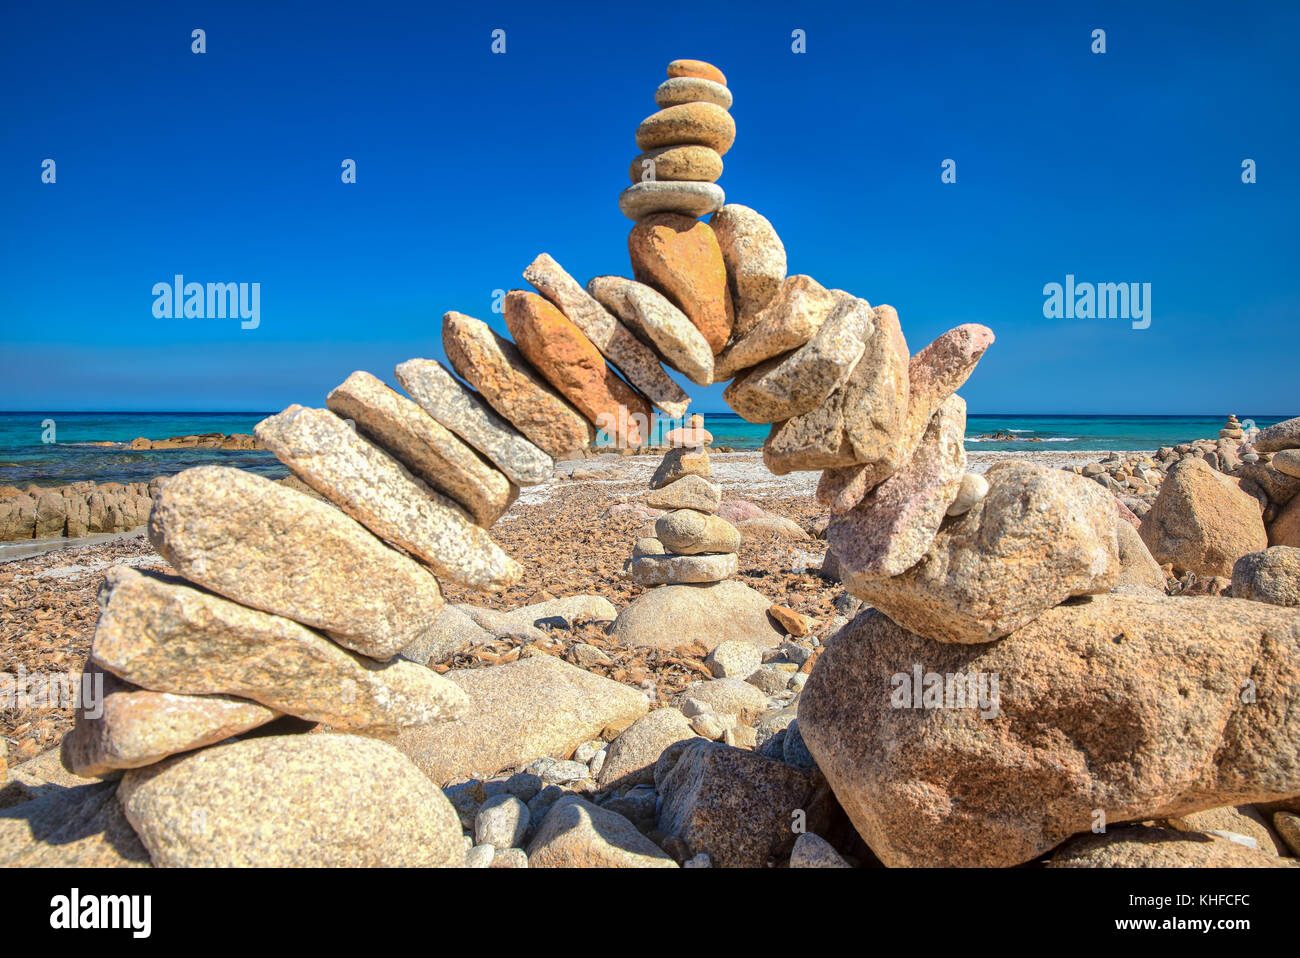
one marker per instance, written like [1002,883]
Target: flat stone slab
[533,708]
[493,366]
[650,315]
[431,452]
[137,727]
[638,364]
[270,547]
[679,569]
[798,309]
[460,409]
[379,492]
[667,196]
[159,633]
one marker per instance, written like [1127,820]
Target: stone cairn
[691,544]
[290,604]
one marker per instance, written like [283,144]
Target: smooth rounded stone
[648,546]
[1041,536]
[1202,521]
[734,660]
[680,257]
[692,89]
[1285,529]
[631,757]
[502,625]
[1288,462]
[933,374]
[813,851]
[696,68]
[459,409]
[564,772]
[377,491]
[480,856]
[771,679]
[494,367]
[679,463]
[724,696]
[682,569]
[974,488]
[159,633]
[706,615]
[564,705]
[501,821]
[450,629]
[1136,565]
[670,196]
[574,366]
[577,834]
[1277,486]
[135,727]
[736,806]
[565,611]
[649,315]
[894,526]
[1287,825]
[1168,691]
[419,442]
[693,438]
[1144,846]
[690,163]
[797,382]
[1241,821]
[861,422]
[510,858]
[797,310]
[1272,576]
[687,532]
[797,624]
[323,801]
[755,259]
[688,492]
[709,724]
[1282,435]
[267,546]
[701,124]
[633,358]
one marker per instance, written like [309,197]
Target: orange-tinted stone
[696,68]
[681,258]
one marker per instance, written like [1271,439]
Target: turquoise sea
[25,456]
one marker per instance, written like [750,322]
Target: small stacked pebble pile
[683,144]
[691,544]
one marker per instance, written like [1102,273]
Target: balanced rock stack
[290,606]
[1231,429]
[691,544]
[682,145]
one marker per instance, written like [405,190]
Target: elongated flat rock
[377,491]
[705,124]
[678,90]
[680,257]
[796,312]
[628,354]
[934,374]
[569,362]
[136,727]
[650,315]
[270,547]
[891,529]
[858,423]
[494,367]
[420,443]
[285,801]
[797,382]
[159,633]
[697,164]
[681,569]
[458,408]
[688,198]
[755,259]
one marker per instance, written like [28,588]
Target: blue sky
[225,167]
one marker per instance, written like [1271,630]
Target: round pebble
[695,163]
[679,90]
[696,68]
[704,124]
[665,196]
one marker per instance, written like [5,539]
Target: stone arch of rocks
[287,605]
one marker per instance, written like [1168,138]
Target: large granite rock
[1144,846]
[272,548]
[1202,522]
[533,708]
[798,309]
[1040,536]
[703,615]
[159,633]
[1126,704]
[290,801]
[577,834]
[380,493]
[1136,564]
[1271,576]
[630,759]
[1283,435]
